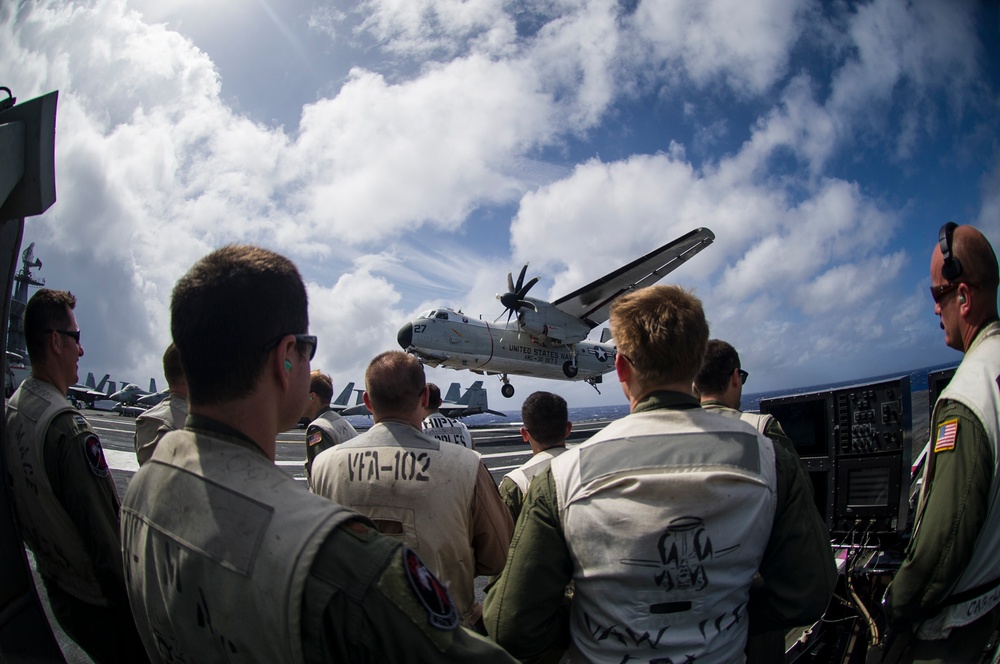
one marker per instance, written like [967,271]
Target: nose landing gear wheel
[569,369]
[507,390]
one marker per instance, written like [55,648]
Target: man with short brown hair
[438,498]
[662,519]
[169,415]
[326,427]
[229,558]
[63,492]
[544,425]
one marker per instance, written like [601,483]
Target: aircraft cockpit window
[442,315]
[428,314]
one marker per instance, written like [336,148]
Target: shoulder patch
[94,453]
[314,438]
[947,432]
[441,611]
[80,424]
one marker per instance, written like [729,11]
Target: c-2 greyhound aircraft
[549,338]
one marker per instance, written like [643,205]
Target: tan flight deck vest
[47,528]
[415,488]
[976,385]
[334,426]
[171,413]
[666,514]
[522,476]
[218,543]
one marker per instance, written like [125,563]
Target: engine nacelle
[551,323]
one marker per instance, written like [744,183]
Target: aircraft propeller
[513,300]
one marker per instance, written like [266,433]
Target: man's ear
[368,402]
[524,434]
[623,368]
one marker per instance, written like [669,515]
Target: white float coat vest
[46,526]
[447,429]
[976,385]
[218,543]
[415,488]
[522,476]
[334,426]
[666,514]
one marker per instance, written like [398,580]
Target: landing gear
[569,366]
[507,390]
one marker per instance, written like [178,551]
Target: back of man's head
[394,382]
[172,369]
[322,386]
[662,333]
[545,416]
[721,359]
[433,396]
[224,314]
[979,263]
[47,310]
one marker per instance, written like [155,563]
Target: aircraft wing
[592,303]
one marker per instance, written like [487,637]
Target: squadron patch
[946,434]
[95,457]
[314,438]
[441,611]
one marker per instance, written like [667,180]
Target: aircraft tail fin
[152,386]
[104,381]
[90,382]
[341,400]
[359,400]
[454,393]
[474,396]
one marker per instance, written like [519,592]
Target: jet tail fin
[341,400]
[454,393]
[152,386]
[90,382]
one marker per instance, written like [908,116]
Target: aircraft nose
[405,336]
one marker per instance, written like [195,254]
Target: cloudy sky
[410,153]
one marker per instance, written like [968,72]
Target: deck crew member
[662,519]
[719,386]
[440,426]
[943,602]
[438,498]
[544,425]
[64,496]
[168,415]
[230,559]
[326,427]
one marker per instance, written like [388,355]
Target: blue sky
[407,154]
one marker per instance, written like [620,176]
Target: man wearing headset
[944,602]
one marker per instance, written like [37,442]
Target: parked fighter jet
[473,402]
[548,339]
[89,392]
[130,394]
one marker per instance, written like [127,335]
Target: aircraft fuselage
[446,338]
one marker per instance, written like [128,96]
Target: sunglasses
[73,334]
[300,339]
[743,376]
[938,292]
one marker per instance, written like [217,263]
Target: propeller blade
[520,279]
[527,287]
[510,283]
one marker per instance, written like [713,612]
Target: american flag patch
[315,438]
[946,433]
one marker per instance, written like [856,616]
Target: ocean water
[751,401]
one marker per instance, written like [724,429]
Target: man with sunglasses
[228,557]
[944,603]
[719,385]
[63,492]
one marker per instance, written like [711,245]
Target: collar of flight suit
[667,399]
